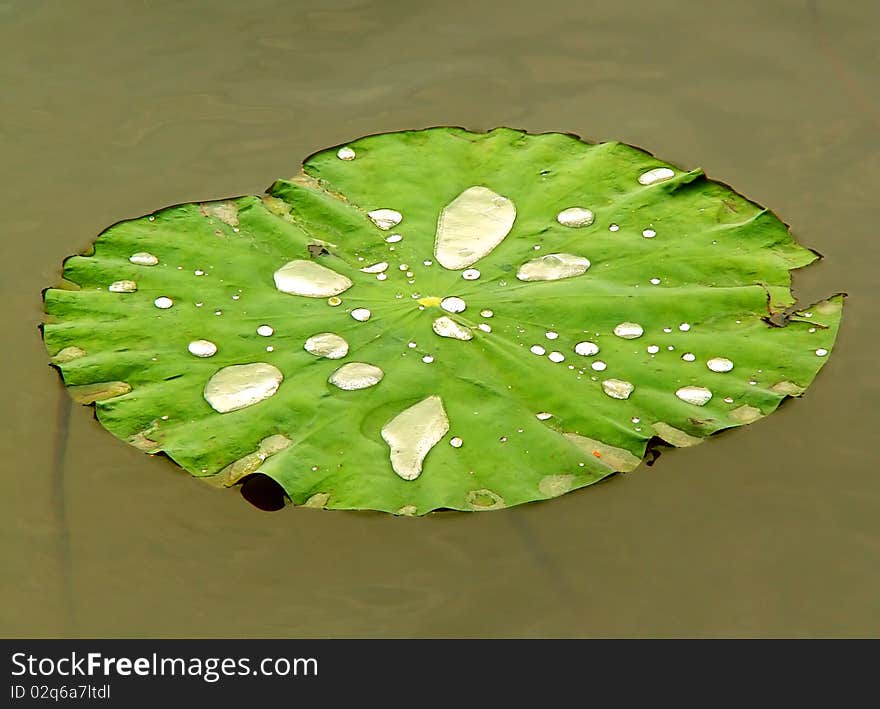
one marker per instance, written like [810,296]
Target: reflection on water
[114,110]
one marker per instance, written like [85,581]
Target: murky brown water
[114,109]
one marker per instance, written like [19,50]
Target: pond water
[112,110]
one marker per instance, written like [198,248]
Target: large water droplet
[241,385]
[471,226]
[265,331]
[556,357]
[413,433]
[376,267]
[453,304]
[658,174]
[617,388]
[163,302]
[694,395]
[385,218]
[538,350]
[553,267]
[598,366]
[629,330]
[142,258]
[122,287]
[575,217]
[346,153]
[361,314]
[310,279]
[356,375]
[447,327]
[326,344]
[586,349]
[202,348]
[393,239]
[719,364]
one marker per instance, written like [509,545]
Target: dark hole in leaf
[263,492]
[316,250]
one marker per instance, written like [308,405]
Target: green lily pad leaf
[440,319]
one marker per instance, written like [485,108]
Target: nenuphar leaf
[440,319]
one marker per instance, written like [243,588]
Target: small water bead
[537,247]
[486,313]
[412,345]
[670,348]
[821,352]
[151,218]
[385,218]
[199,305]
[617,388]
[752,382]
[667,330]
[199,272]
[269,348]
[551,335]
[689,357]
[180,268]
[728,399]
[635,419]
[485,327]
[427,263]
[381,276]
[811,330]
[143,258]
[453,304]
[629,330]
[456,442]
[427,359]
[543,416]
[356,375]
[236,296]
[380,267]
[653,349]
[658,174]
[655,281]
[649,233]
[334,301]
[598,366]
[202,348]
[575,217]
[556,357]
[684,327]
[470,274]
[699,396]
[326,344]
[122,287]
[586,348]
[393,238]
[403,267]
[346,153]
[410,274]
[538,350]
[719,364]
[613,227]
[163,302]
